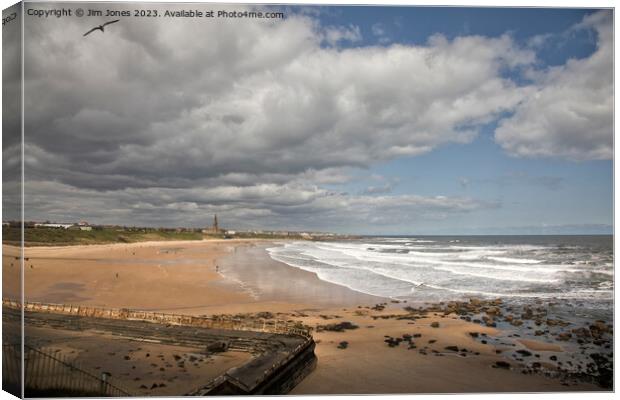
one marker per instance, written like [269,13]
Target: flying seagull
[100,27]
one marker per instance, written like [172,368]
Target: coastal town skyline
[485,125]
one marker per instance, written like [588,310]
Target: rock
[452,348]
[564,336]
[539,333]
[494,311]
[488,321]
[581,333]
[527,313]
[600,325]
[501,364]
[343,345]
[217,347]
[597,329]
[516,322]
[435,324]
[473,334]
[524,353]
[476,302]
[339,327]
[265,315]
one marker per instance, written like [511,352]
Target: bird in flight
[100,27]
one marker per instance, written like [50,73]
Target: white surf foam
[399,267]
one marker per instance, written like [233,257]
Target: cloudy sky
[345,119]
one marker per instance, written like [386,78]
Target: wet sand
[234,276]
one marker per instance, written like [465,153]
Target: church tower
[216,229]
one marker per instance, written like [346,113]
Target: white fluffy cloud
[164,101]
[570,114]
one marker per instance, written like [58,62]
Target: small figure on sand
[117,274]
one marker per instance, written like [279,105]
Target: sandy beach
[435,353]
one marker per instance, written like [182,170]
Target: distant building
[213,229]
[55,226]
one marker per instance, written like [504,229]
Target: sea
[575,269]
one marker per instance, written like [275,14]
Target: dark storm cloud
[289,206]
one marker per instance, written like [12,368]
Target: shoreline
[208,277]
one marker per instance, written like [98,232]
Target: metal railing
[48,373]
[12,368]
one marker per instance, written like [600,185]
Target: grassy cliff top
[66,237]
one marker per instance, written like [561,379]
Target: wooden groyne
[283,352]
